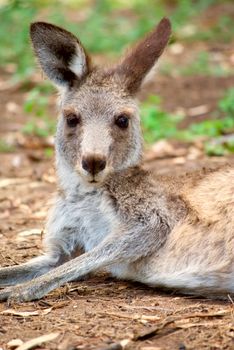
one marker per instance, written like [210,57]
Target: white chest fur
[97,219]
[82,220]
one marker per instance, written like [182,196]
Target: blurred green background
[201,46]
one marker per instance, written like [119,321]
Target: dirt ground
[101,311]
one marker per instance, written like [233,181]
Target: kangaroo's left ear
[138,63]
[60,54]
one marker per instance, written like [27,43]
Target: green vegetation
[103,26]
[36,105]
[203,65]
[107,27]
[5,147]
[14,24]
[224,127]
[221,31]
[158,124]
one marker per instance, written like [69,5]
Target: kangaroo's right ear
[60,54]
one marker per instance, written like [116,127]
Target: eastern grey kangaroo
[163,231]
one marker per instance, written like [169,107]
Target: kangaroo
[110,214]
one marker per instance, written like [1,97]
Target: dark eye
[122,121]
[72,120]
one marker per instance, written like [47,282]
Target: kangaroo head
[99,125]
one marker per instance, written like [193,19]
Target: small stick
[121,345]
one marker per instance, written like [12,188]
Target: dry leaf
[5,214]
[198,110]
[176,48]
[49,178]
[164,149]
[26,313]
[35,184]
[33,231]
[122,287]
[16,161]
[198,324]
[14,343]
[12,107]
[194,153]
[150,318]
[39,215]
[141,318]
[25,209]
[179,160]
[38,341]
[124,343]
[12,181]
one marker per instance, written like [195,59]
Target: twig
[132,317]
[121,345]
[171,319]
[231,300]
[32,343]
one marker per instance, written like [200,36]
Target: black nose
[93,164]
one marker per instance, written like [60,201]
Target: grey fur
[160,231]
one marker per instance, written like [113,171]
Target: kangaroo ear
[60,54]
[135,66]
